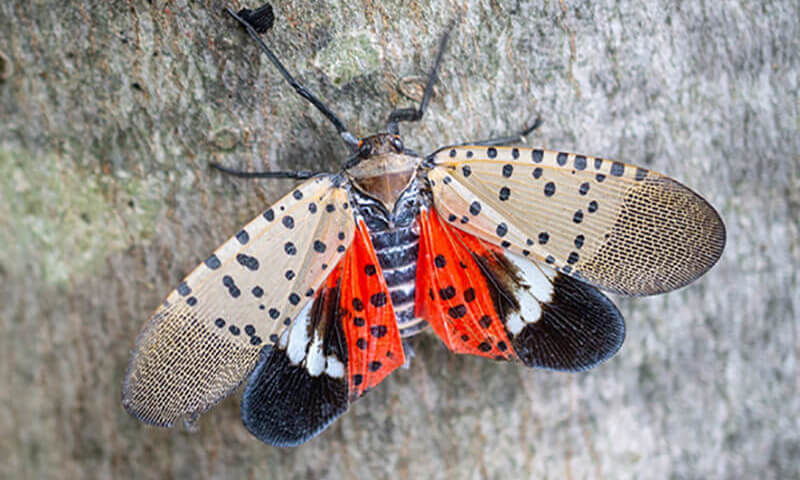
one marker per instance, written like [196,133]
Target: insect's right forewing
[206,337]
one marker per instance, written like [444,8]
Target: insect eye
[398,144]
[365,150]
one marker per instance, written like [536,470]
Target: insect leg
[297,175]
[414,114]
[348,137]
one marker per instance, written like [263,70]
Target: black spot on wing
[213,262]
[447,293]
[469,295]
[378,300]
[578,329]
[183,289]
[475,208]
[378,331]
[504,194]
[247,261]
[230,284]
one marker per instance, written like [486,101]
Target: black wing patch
[299,385]
[554,321]
[578,329]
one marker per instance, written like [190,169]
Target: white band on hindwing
[307,350]
[537,291]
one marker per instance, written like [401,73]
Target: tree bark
[110,114]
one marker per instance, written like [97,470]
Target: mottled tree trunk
[111,111]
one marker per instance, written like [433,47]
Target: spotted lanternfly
[501,250]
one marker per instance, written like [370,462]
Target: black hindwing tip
[284,406]
[579,329]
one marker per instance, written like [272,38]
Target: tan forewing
[206,337]
[620,227]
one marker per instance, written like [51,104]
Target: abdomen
[397,250]
[396,241]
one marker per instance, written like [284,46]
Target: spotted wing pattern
[483,300]
[619,227]
[206,337]
[453,296]
[373,339]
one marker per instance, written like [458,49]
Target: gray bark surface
[110,113]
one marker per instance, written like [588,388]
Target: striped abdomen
[397,250]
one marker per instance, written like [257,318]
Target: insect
[501,250]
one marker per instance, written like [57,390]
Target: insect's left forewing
[622,228]
[206,337]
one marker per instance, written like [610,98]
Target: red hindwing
[452,292]
[374,347]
